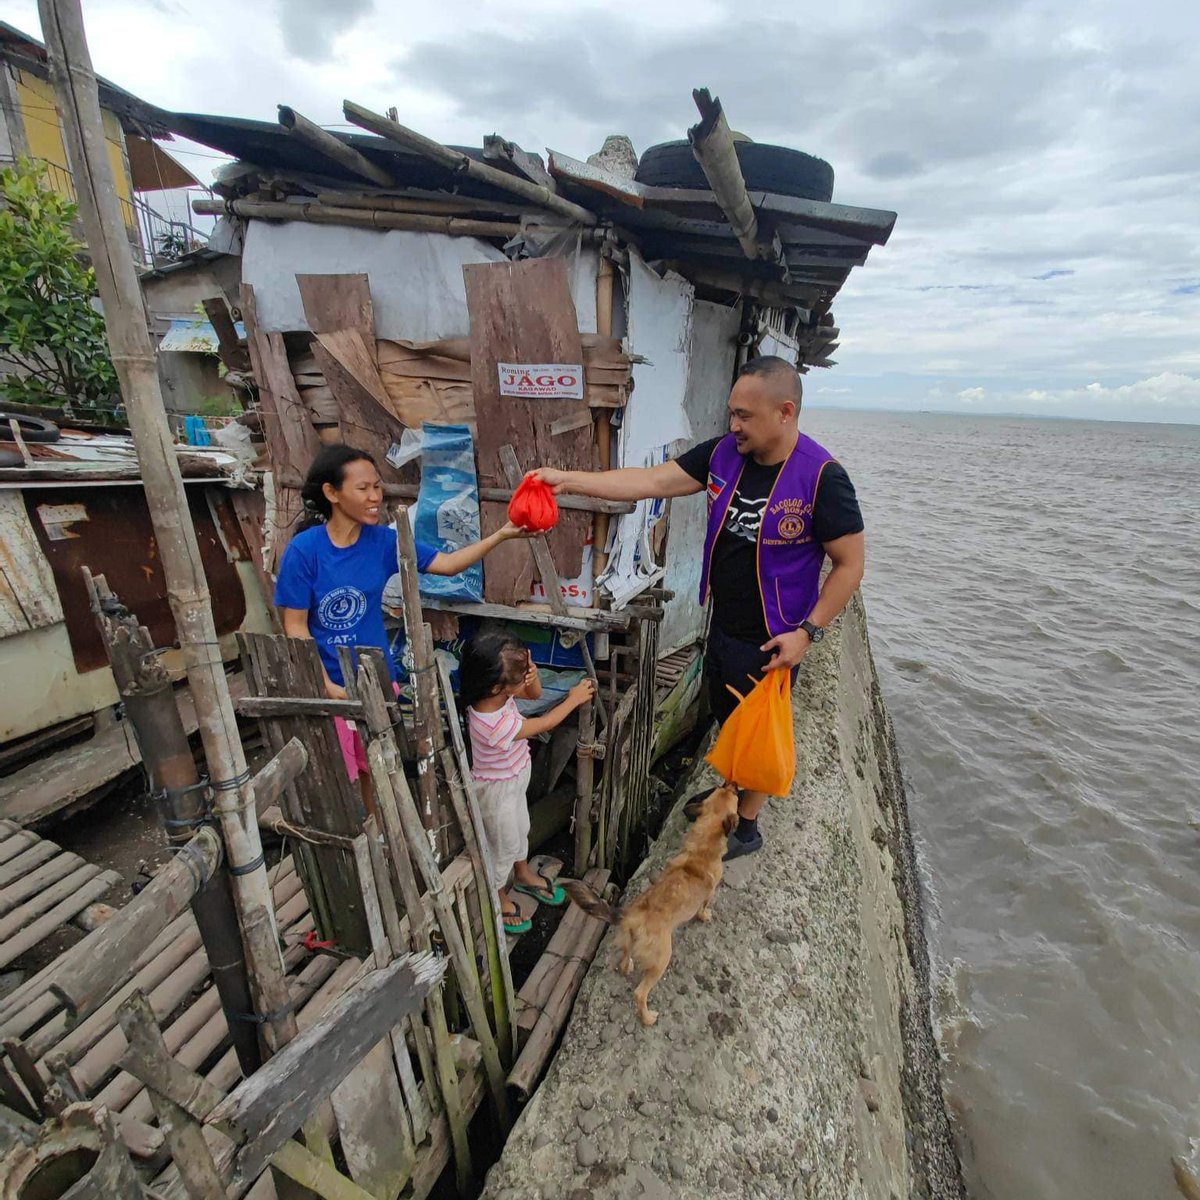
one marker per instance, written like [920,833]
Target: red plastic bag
[533,505]
[756,748]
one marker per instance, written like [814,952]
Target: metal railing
[153,238]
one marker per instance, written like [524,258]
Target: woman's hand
[582,693]
[335,691]
[510,530]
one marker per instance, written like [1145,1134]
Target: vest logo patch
[791,527]
[716,486]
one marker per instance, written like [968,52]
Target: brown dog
[681,892]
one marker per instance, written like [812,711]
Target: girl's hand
[531,675]
[509,530]
[582,693]
[335,691]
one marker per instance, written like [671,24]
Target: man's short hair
[779,371]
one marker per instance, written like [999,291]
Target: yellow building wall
[43,134]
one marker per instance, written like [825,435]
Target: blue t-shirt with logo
[341,588]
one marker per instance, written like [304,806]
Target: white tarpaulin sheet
[659,330]
[705,405]
[416,279]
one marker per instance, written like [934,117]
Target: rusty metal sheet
[108,529]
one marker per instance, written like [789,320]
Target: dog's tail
[591,902]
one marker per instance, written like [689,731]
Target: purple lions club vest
[789,558]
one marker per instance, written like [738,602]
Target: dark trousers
[728,663]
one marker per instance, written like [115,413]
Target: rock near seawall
[793,1056]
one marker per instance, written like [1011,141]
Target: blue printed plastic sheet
[447,512]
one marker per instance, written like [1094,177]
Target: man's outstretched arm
[629,483]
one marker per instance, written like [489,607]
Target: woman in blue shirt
[331,579]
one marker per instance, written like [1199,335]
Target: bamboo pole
[373,218]
[86,981]
[466,808]
[714,149]
[419,202]
[415,836]
[437,1063]
[457,161]
[187,590]
[426,720]
[532,1061]
[333,148]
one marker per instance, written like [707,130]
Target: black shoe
[738,848]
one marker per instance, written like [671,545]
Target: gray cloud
[1017,139]
[310,27]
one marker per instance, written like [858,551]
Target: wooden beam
[500,495]
[581,620]
[176,1094]
[333,148]
[270,1106]
[715,151]
[325,214]
[499,149]
[456,160]
[187,589]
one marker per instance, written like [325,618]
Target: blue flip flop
[557,896]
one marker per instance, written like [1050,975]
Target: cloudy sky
[1044,157]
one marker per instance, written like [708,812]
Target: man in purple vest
[778,503]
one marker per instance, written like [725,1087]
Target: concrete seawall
[793,1056]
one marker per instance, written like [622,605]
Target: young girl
[497,671]
[331,579]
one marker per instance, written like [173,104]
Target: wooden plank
[375,1136]
[385,949]
[335,302]
[28,595]
[290,436]
[250,508]
[523,313]
[627,191]
[502,495]
[56,782]
[178,1121]
[322,797]
[269,1107]
[364,413]
[579,619]
[291,439]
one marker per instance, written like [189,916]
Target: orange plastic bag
[756,748]
[533,505]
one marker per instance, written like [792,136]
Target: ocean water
[1033,589]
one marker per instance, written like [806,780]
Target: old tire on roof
[33,429]
[766,168]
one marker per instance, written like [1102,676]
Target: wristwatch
[815,632]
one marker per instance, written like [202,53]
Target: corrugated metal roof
[194,337]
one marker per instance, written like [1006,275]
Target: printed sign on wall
[541,381]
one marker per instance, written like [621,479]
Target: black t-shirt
[737,600]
